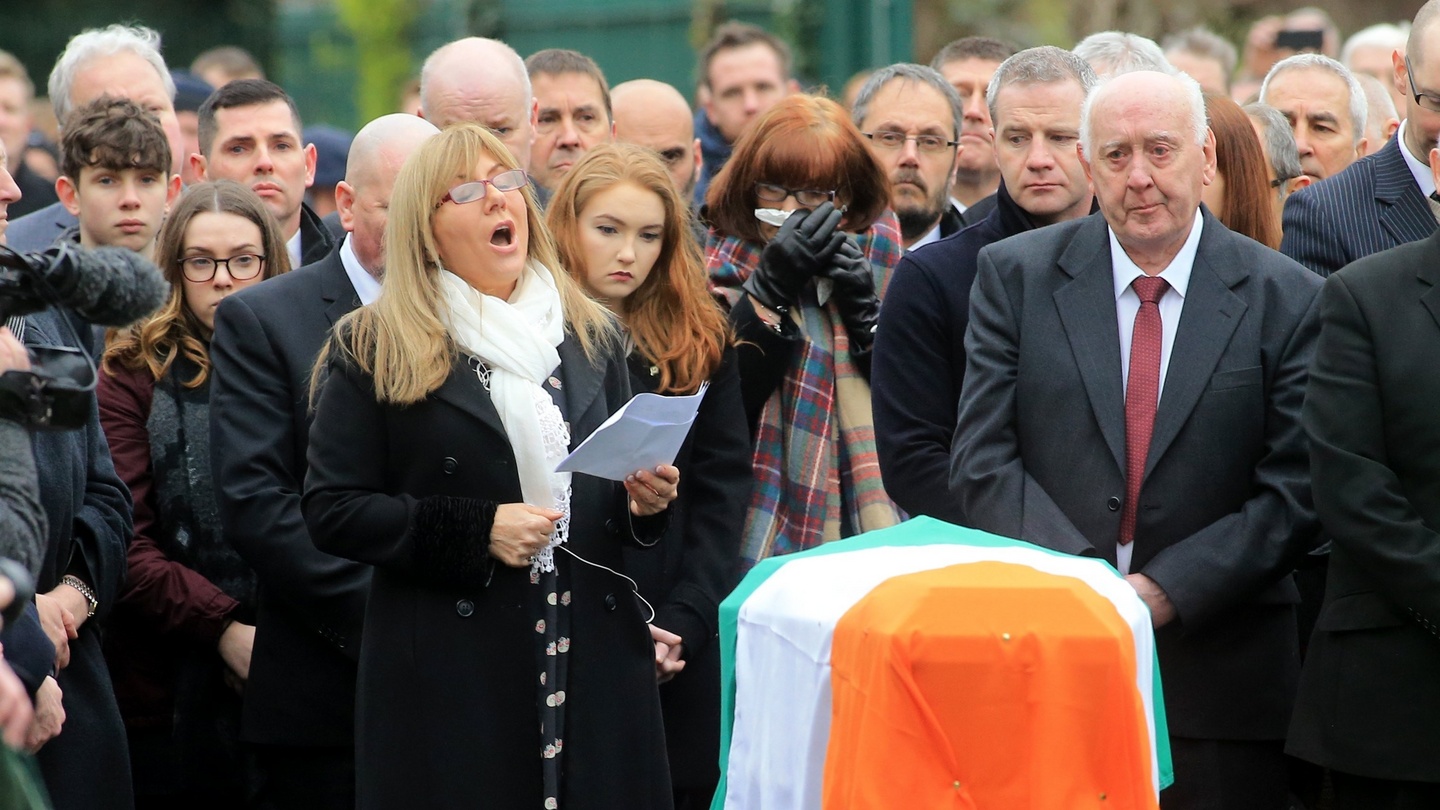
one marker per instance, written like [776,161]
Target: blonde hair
[401,339]
[672,317]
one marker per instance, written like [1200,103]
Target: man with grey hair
[1034,99]
[119,61]
[481,81]
[1326,108]
[1282,158]
[1370,52]
[1382,200]
[1381,119]
[911,118]
[1204,56]
[1114,52]
[1133,392]
[300,697]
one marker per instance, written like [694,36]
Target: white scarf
[517,340]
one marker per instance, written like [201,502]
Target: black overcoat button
[1113,504]
[465,608]
[449,465]
[610,601]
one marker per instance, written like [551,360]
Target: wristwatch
[85,591]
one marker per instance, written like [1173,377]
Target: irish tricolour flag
[931,666]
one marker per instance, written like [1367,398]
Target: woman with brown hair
[801,247]
[1240,196]
[179,640]
[624,233]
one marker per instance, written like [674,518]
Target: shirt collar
[1420,171]
[292,246]
[366,286]
[1177,273]
[932,235]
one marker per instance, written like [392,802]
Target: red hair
[803,142]
[1240,160]
[673,320]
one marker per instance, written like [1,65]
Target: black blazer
[302,670]
[696,565]
[1225,504]
[1369,701]
[1373,205]
[446,715]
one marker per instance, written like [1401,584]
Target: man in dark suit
[1380,201]
[250,132]
[1368,707]
[1132,392]
[919,363]
[300,698]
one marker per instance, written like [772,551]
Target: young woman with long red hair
[624,233]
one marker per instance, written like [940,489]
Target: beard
[916,219]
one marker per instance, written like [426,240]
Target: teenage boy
[115,175]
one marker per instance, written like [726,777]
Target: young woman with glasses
[801,247]
[178,642]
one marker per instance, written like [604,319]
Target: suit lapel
[464,390]
[1429,276]
[1086,305]
[1404,211]
[336,289]
[582,383]
[1208,319]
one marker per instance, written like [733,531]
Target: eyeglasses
[929,144]
[470,192]
[241,268]
[1428,101]
[808,197]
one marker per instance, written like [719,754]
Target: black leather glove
[854,294]
[801,250]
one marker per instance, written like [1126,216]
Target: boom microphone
[107,286]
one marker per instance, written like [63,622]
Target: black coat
[302,670]
[88,508]
[696,565]
[446,709]
[1369,700]
[1224,508]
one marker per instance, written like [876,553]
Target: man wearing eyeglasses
[300,697]
[573,115]
[919,360]
[1385,199]
[911,118]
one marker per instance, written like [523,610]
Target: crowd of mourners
[1171,305]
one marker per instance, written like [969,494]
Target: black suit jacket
[302,670]
[1225,503]
[447,708]
[1369,699]
[1373,205]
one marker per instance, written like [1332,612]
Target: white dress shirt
[1127,306]
[292,246]
[933,235]
[1419,170]
[366,286]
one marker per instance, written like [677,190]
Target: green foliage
[382,30]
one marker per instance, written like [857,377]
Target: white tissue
[772,216]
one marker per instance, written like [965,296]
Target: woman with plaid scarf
[801,247]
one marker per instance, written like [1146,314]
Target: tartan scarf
[816,468]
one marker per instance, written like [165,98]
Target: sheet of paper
[646,432]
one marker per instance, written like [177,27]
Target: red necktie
[1142,394]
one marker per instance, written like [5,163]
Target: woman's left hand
[652,492]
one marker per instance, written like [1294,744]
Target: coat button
[610,601]
[449,465]
[613,528]
[1113,504]
[465,608]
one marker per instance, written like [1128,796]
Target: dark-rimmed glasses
[808,197]
[244,267]
[891,141]
[475,190]
[1427,101]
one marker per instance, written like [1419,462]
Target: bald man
[481,81]
[300,698]
[655,115]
